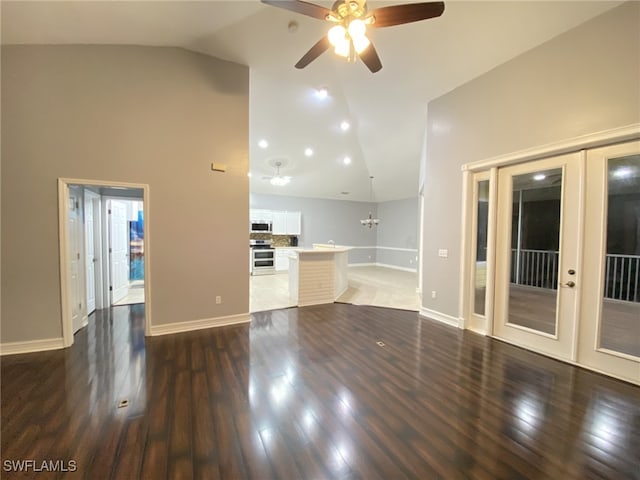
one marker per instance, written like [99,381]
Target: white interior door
[538,254]
[74,254]
[119,250]
[610,328]
[90,251]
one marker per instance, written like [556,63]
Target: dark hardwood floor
[308,393]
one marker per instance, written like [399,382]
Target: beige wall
[157,116]
[584,81]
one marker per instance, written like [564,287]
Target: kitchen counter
[318,275]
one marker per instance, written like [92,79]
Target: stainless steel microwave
[260,227]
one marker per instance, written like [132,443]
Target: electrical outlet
[434,294]
[218,300]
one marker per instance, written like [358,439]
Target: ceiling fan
[350,19]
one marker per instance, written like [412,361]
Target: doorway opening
[104,250]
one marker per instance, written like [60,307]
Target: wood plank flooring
[308,393]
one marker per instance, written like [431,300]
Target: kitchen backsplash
[278,240]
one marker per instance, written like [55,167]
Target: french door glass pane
[482,222]
[535,240]
[620,321]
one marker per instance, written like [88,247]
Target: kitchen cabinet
[282,258]
[294,223]
[260,215]
[286,223]
[279,223]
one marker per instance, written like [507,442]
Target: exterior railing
[539,268]
[622,277]
[535,268]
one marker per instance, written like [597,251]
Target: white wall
[583,81]
[149,115]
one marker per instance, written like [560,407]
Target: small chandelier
[370,221]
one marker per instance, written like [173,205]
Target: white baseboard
[31,346]
[190,325]
[385,265]
[440,317]
[395,267]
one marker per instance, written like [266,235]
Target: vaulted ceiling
[386,111]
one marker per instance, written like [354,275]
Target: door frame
[106,240]
[63,205]
[90,199]
[583,142]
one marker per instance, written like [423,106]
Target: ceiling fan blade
[305,8]
[314,52]
[399,14]
[370,58]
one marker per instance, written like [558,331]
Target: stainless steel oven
[263,258]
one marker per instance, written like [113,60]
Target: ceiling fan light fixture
[357,29]
[343,49]
[337,35]
[280,181]
[361,43]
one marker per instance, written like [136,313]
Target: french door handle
[569,284]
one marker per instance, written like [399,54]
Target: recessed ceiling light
[622,172]
[539,176]
[344,126]
[249,174]
[263,143]
[346,160]
[308,152]
[322,93]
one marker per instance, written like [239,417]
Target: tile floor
[135,294]
[379,286]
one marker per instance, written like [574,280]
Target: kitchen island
[318,275]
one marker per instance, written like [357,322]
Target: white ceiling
[387,110]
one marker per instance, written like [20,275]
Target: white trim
[467,242]
[395,267]
[369,264]
[30,346]
[63,208]
[439,317]
[398,249]
[592,140]
[188,326]
[384,265]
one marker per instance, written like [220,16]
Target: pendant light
[370,221]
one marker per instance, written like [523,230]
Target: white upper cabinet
[294,223]
[260,215]
[279,223]
[283,223]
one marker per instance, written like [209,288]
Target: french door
[567,265]
[609,335]
[538,254]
